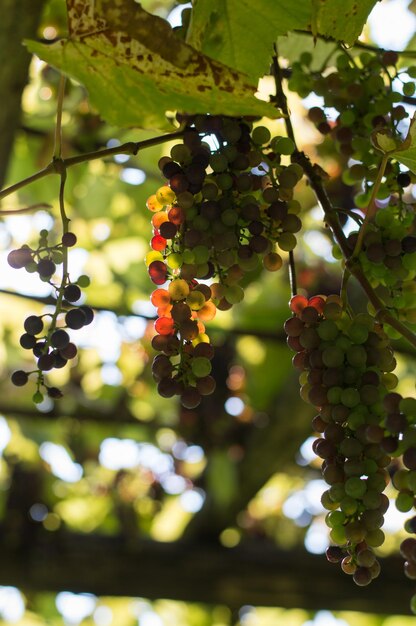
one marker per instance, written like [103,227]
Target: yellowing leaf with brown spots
[342,20]
[136,69]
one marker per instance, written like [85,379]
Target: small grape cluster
[346,365]
[224,211]
[50,342]
[361,89]
[388,258]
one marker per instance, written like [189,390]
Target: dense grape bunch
[363,90]
[224,212]
[48,335]
[346,371]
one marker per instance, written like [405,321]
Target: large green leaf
[241,33]
[136,69]
[342,20]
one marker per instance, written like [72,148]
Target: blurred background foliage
[111,456]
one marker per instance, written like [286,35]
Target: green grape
[283,145]
[201,366]
[287,242]
[174,260]
[261,135]
[355,487]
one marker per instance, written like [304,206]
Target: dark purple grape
[75,319]
[409,244]
[168,230]
[27,341]
[33,325]
[69,239]
[19,258]
[59,338]
[46,268]
[46,362]
[39,348]
[72,293]
[69,352]
[190,398]
[58,360]
[88,312]
[54,392]
[166,387]
[19,378]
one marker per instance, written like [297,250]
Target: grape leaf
[291,46]
[342,20]
[135,68]
[406,153]
[241,33]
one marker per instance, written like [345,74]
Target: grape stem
[57,151]
[314,176]
[55,166]
[292,274]
[281,102]
[372,206]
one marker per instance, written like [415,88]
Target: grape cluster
[225,211]
[346,366]
[361,89]
[364,90]
[388,258]
[47,335]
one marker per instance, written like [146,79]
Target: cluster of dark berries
[47,335]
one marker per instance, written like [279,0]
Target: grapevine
[226,208]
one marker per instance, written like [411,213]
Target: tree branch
[19,20]
[253,573]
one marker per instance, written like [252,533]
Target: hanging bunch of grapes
[228,209]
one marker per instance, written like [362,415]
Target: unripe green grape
[188,257]
[336,492]
[404,501]
[180,153]
[283,145]
[287,242]
[408,406]
[355,487]
[234,294]
[250,264]
[327,502]
[287,180]
[174,260]
[348,505]
[201,254]
[218,162]
[261,135]
[328,330]
[375,538]
[224,181]
[350,397]
[229,217]
[202,270]
[333,356]
[338,536]
[335,518]
[201,366]
[37,397]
